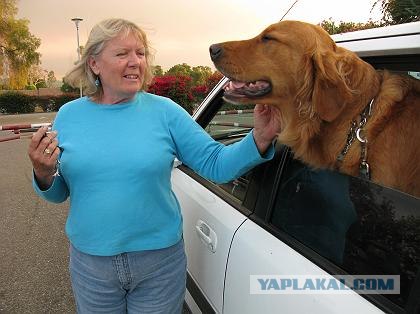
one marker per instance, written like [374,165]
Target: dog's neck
[320,142]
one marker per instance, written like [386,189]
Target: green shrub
[53,103]
[66,88]
[44,102]
[229,106]
[12,102]
[41,84]
[58,101]
[30,87]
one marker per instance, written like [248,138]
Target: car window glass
[359,226]
[231,120]
[414,74]
[229,125]
[238,187]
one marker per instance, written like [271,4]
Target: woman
[117,149]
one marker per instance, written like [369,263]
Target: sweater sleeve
[209,158]
[58,191]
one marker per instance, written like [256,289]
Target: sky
[180,31]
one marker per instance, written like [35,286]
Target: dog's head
[292,65]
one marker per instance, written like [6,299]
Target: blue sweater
[116,165]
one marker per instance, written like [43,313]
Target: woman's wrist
[44,179]
[261,142]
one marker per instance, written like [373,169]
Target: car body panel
[256,252]
[400,39]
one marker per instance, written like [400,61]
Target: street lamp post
[76,21]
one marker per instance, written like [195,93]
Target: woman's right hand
[43,152]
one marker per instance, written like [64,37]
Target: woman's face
[120,67]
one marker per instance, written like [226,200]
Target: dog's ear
[332,75]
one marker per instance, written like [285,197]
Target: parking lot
[33,248]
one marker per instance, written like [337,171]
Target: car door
[261,249]
[325,224]
[209,226]
[211,213]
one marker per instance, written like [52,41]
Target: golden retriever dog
[336,110]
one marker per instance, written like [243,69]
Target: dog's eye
[266,38]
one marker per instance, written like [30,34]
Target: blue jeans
[135,282]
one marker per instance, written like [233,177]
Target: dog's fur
[319,88]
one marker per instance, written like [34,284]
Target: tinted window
[361,227]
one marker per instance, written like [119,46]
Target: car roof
[399,39]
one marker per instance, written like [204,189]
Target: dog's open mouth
[236,89]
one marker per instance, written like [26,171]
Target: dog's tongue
[236,84]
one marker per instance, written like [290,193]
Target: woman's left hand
[266,126]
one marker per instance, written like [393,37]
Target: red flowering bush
[199,92]
[213,80]
[180,88]
[177,88]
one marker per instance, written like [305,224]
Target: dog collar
[357,132]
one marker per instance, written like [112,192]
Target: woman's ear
[93,64]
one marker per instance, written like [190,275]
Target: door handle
[206,235]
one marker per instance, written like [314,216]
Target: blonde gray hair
[100,34]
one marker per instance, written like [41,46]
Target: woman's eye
[121,54]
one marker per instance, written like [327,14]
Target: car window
[359,226]
[231,120]
[228,125]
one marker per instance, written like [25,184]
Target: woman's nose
[134,59]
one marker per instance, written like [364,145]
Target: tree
[180,69]
[67,88]
[17,45]
[157,70]
[185,85]
[36,74]
[343,27]
[41,84]
[393,12]
[399,11]
[17,78]
[8,8]
[51,80]
[200,74]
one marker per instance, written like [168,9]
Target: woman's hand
[266,126]
[43,152]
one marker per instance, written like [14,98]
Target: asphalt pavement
[34,275]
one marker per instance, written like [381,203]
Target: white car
[284,220]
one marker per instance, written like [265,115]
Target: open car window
[231,121]
[229,125]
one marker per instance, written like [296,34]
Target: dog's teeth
[228,86]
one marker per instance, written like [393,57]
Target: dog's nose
[215,51]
